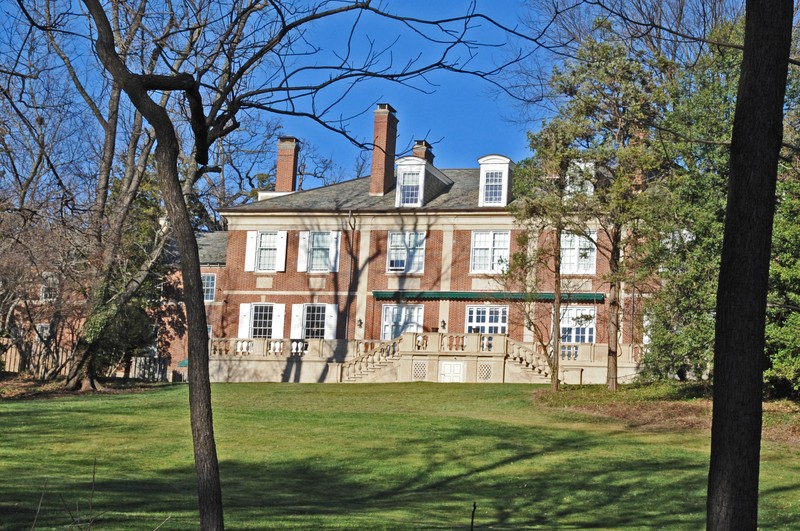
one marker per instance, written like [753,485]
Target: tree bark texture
[742,293]
[613,306]
[554,366]
[82,375]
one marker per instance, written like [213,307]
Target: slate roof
[213,247]
[354,195]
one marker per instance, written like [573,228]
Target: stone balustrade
[350,360]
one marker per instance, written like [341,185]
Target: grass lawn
[399,456]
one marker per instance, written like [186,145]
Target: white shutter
[250,252]
[414,266]
[244,320]
[302,252]
[334,251]
[331,319]
[297,322]
[278,317]
[280,258]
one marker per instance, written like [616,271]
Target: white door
[452,372]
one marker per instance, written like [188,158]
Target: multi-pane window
[319,246]
[209,286]
[48,293]
[406,252]
[401,318]
[577,325]
[42,332]
[487,319]
[490,251]
[261,321]
[409,189]
[579,179]
[314,321]
[266,251]
[49,290]
[493,188]
[577,254]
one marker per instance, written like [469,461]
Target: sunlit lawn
[361,456]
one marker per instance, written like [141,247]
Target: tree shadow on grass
[519,478]
[424,475]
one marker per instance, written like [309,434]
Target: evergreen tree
[685,236]
[610,99]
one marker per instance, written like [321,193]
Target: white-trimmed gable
[495,185]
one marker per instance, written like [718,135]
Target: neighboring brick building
[328,275]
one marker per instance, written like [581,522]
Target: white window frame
[578,254]
[403,187]
[209,281]
[472,324]
[305,250]
[494,191]
[246,316]
[492,165]
[397,319]
[577,180]
[268,331]
[253,248]
[498,255]
[576,326]
[300,314]
[267,241]
[42,332]
[319,252]
[318,324]
[48,291]
[413,256]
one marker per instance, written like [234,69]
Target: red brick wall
[379,277]
[223,314]
[238,279]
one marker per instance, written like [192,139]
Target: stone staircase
[377,356]
[527,359]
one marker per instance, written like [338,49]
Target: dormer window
[418,182]
[579,179]
[495,181]
[493,189]
[409,189]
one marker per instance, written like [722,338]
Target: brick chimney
[382,178]
[286,172]
[423,150]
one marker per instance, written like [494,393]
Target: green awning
[483,296]
[183,363]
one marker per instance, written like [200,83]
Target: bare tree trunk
[166,155]
[613,307]
[554,384]
[205,452]
[742,291]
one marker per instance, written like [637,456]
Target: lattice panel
[484,372]
[419,371]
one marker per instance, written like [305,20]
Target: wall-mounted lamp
[359,323]
[444,325]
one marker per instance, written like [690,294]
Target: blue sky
[464,117]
